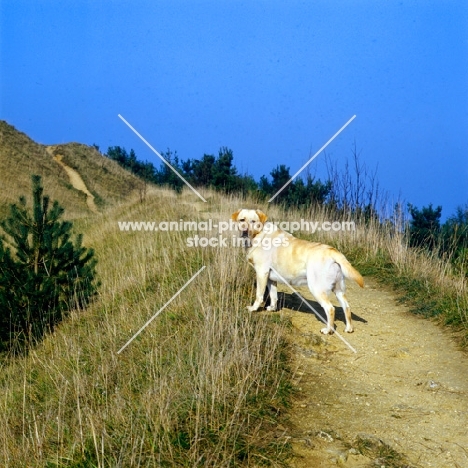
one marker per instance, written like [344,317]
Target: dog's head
[250,222]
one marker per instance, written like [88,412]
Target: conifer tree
[43,272]
[424,228]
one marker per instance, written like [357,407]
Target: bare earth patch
[400,401]
[75,180]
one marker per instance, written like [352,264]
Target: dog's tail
[348,270]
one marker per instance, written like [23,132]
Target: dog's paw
[271,308]
[327,331]
[349,329]
[252,308]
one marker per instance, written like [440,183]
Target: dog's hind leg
[339,290]
[320,286]
[327,306]
[346,309]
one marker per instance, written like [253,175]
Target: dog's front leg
[273,290]
[262,278]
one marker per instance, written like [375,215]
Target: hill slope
[20,157]
[207,384]
[202,385]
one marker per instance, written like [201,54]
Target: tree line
[352,190]
[219,173]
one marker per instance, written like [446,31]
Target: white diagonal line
[160,157]
[312,158]
[161,309]
[314,311]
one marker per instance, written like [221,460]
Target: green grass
[205,384]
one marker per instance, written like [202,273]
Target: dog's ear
[236,214]
[262,216]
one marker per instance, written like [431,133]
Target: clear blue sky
[272,80]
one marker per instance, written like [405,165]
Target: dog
[277,255]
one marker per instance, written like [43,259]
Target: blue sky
[272,80]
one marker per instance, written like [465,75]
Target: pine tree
[424,228]
[43,272]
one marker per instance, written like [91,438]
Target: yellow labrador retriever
[277,255]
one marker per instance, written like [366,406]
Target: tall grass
[202,385]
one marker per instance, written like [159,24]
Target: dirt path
[75,179]
[406,388]
[400,401]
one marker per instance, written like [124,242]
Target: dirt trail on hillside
[75,179]
[405,389]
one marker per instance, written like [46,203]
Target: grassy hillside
[203,385]
[206,383]
[20,157]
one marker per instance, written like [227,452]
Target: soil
[400,401]
[75,180]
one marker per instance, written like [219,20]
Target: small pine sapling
[43,272]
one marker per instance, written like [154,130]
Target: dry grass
[201,386]
[104,178]
[20,157]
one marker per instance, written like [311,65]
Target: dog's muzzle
[246,239]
